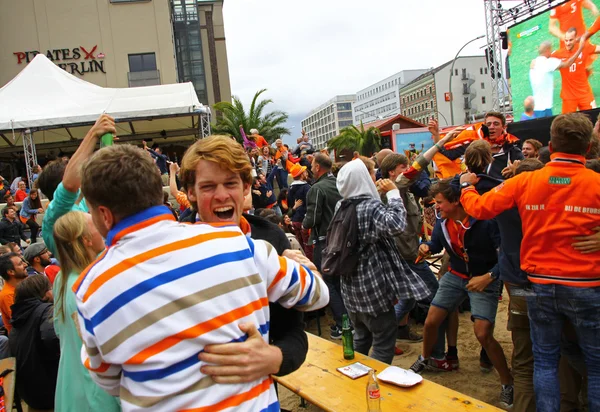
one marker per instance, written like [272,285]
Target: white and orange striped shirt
[164,290]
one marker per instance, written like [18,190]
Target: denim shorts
[453,290]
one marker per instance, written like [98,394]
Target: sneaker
[506,396]
[336,333]
[485,364]
[453,360]
[419,366]
[439,365]
[406,334]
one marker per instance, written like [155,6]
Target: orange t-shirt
[260,141]
[456,233]
[575,82]
[569,15]
[7,299]
[20,195]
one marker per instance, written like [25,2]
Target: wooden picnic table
[319,382]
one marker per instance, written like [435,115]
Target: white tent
[43,97]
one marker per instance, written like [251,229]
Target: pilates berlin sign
[77,60]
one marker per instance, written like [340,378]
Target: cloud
[307,52]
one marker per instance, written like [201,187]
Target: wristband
[438,146]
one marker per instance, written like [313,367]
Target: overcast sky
[306,52]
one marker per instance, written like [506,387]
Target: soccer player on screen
[569,15]
[576,92]
[541,77]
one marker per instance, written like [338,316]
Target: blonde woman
[77,243]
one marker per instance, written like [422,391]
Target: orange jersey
[575,81]
[569,15]
[556,204]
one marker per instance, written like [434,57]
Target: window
[142,62]
[483,99]
[481,70]
[456,72]
[482,85]
[485,70]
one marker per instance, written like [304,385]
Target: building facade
[326,121]
[428,95]
[120,43]
[382,99]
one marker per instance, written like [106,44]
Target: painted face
[218,192]
[444,207]
[529,151]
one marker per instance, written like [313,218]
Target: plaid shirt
[382,277]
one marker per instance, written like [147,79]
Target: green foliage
[365,142]
[269,125]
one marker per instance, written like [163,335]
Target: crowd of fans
[133,303]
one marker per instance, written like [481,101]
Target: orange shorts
[583,103]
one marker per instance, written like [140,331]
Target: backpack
[342,251]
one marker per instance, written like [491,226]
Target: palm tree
[269,125]
[366,142]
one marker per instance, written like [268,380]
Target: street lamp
[444,117]
[452,73]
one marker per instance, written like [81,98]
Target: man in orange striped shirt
[556,204]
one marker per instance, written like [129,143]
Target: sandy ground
[468,379]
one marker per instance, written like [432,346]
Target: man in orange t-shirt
[12,270]
[576,92]
[569,15]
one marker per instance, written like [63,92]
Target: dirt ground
[468,379]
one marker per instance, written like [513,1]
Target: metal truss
[497,18]
[204,125]
[30,153]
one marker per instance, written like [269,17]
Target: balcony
[145,78]
[467,105]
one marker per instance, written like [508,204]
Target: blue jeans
[282,178]
[548,310]
[403,307]
[452,291]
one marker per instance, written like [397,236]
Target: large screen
[544,65]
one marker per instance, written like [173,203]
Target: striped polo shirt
[162,291]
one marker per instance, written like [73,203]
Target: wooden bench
[319,382]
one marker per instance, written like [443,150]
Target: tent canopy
[44,97]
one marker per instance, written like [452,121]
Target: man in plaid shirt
[382,277]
